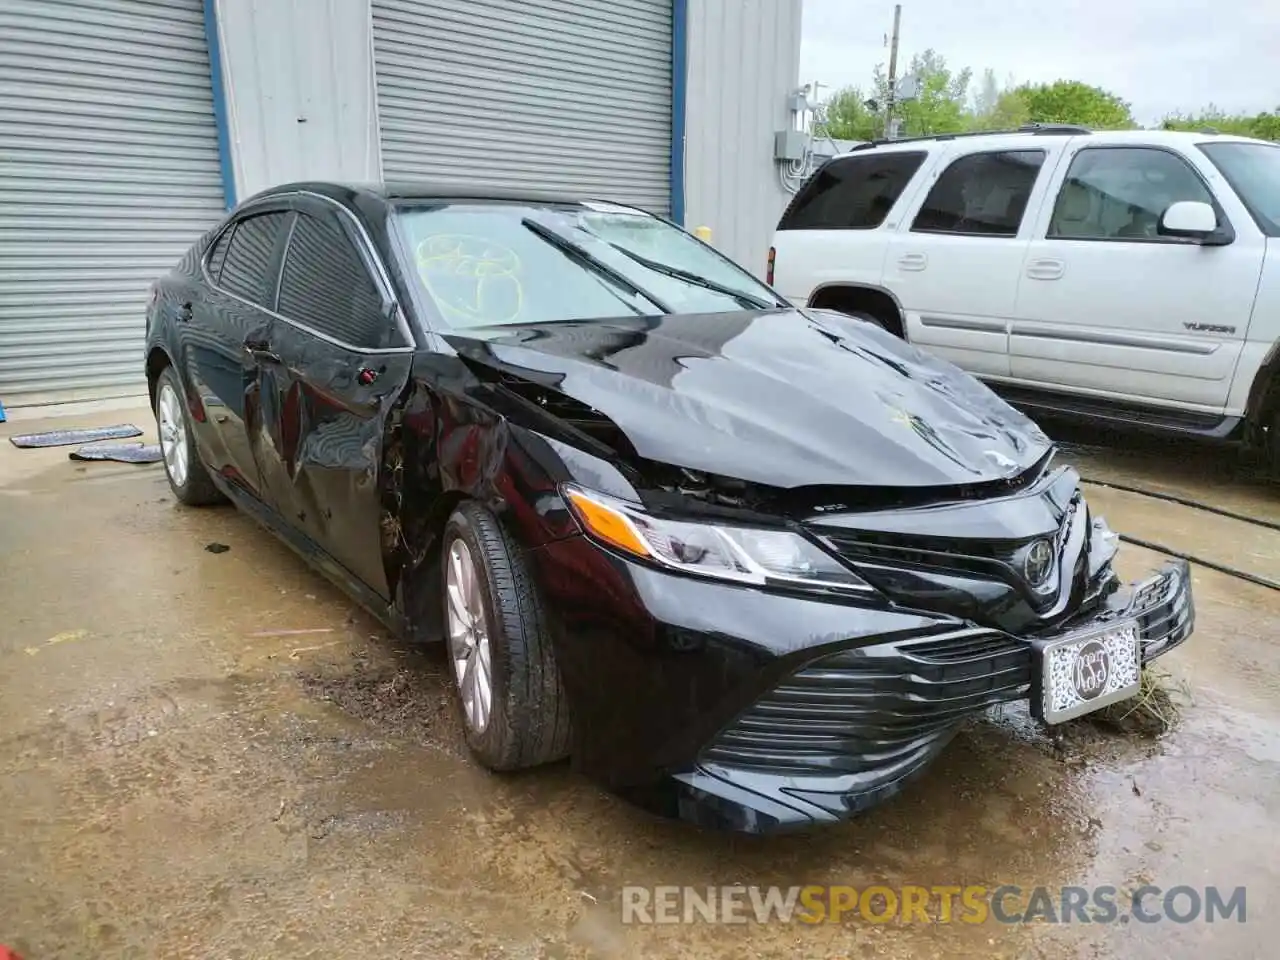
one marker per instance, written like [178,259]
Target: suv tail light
[768,273]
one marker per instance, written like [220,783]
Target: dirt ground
[215,755]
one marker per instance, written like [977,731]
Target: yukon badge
[1209,328]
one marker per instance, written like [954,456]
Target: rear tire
[514,710]
[188,478]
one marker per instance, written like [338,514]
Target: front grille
[989,559]
[986,558]
[875,708]
[874,713]
[1168,617]
[963,647]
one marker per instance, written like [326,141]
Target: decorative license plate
[1088,671]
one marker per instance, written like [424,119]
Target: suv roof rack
[1036,129]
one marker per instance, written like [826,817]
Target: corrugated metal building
[127,127]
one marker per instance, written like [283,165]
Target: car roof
[392,191]
[980,139]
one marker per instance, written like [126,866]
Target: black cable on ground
[1184,501]
[1200,561]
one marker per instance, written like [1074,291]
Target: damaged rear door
[342,357]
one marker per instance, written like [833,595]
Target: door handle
[1046,269]
[261,350]
[913,261]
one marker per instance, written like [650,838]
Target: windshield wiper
[584,257]
[744,299]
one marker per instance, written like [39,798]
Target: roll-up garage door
[108,171]
[528,94]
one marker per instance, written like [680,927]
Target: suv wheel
[514,709]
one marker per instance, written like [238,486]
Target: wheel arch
[1264,393]
[849,296]
[157,360]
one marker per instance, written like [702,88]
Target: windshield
[1253,170]
[493,264]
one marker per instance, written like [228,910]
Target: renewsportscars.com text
[1006,904]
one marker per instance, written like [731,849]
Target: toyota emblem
[1038,563]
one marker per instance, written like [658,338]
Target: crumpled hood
[786,398]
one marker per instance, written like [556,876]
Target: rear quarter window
[218,253]
[852,193]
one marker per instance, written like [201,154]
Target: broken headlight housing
[759,556]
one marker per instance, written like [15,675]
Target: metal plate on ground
[1088,671]
[122,452]
[62,438]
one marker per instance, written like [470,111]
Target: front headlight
[744,554]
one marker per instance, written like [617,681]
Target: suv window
[852,194]
[982,193]
[249,257]
[1119,193]
[218,252]
[326,286]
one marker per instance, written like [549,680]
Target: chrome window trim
[364,247]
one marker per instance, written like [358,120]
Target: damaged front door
[343,358]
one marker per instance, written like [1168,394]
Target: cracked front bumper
[850,729]
[759,710]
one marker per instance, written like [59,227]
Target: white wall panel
[743,63]
[299,91]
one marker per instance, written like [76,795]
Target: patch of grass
[1154,711]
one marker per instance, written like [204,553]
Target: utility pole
[893,72]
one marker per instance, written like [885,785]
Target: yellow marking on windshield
[474,278]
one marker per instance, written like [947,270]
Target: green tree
[1072,101]
[847,116]
[997,107]
[941,104]
[1264,126]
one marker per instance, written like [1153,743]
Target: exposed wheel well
[414,562]
[861,300]
[157,360]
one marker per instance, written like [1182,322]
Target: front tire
[188,478]
[514,710]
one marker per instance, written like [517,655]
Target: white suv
[1130,276]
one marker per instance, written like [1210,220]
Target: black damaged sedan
[748,564]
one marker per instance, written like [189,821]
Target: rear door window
[248,271]
[982,194]
[854,193]
[326,286]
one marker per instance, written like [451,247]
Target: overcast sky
[1160,55]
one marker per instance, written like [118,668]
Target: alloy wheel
[469,636]
[172,425]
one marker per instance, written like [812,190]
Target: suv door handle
[261,350]
[913,261]
[1045,269]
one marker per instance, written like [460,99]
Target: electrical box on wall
[789,145]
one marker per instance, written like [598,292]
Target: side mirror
[1189,219]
